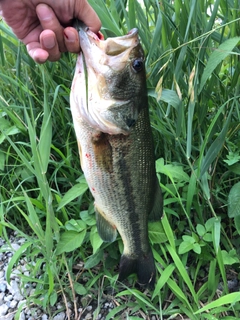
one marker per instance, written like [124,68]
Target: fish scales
[116,146]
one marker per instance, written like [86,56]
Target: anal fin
[106,230]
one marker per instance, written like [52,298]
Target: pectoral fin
[106,230]
[103,152]
[157,210]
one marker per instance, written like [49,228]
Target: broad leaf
[95,239]
[69,241]
[168,96]
[175,172]
[185,246]
[234,201]
[76,191]
[156,232]
[94,260]
[79,288]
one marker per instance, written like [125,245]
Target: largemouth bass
[109,107]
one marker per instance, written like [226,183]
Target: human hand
[45,25]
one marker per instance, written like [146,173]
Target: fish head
[113,73]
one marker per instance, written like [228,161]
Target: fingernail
[48,42]
[70,36]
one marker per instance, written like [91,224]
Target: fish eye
[137,65]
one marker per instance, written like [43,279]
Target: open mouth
[110,46]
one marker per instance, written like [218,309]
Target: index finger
[49,21]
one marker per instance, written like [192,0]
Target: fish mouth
[111,46]
[112,52]
[99,57]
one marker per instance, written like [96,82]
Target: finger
[49,21]
[49,43]
[71,38]
[33,45]
[85,13]
[36,52]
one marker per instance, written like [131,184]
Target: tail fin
[143,265]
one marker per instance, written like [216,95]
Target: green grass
[192,60]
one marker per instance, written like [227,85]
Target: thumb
[85,13]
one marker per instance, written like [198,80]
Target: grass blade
[16,256]
[230,298]
[216,57]
[183,272]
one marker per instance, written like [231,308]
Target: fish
[110,112]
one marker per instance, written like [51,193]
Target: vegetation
[193,65]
